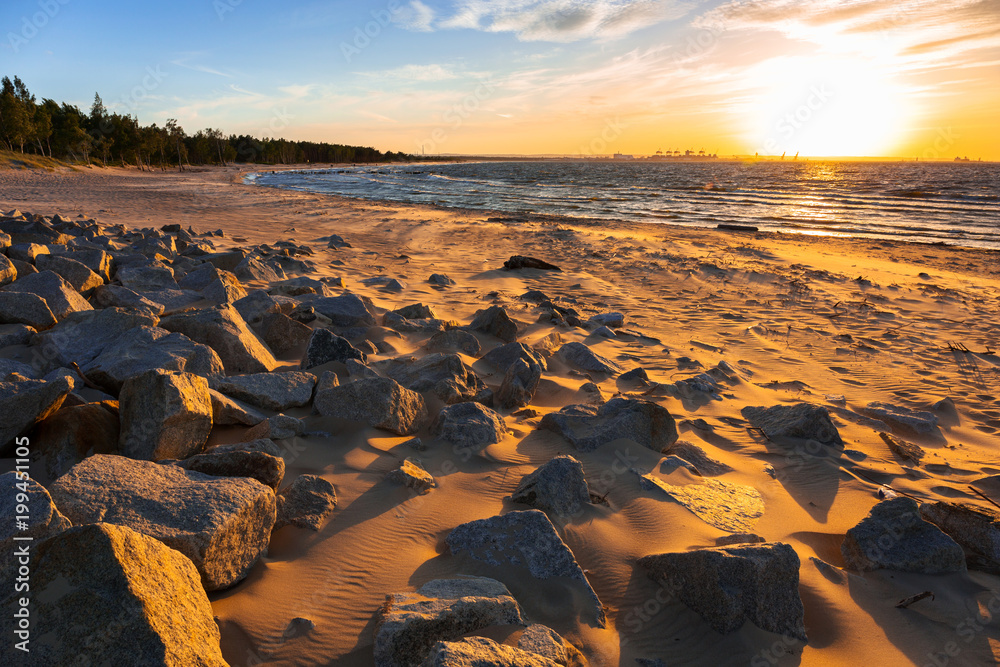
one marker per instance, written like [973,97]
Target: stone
[108,595]
[558,487]
[582,357]
[503,357]
[325,346]
[454,340]
[469,425]
[75,432]
[255,269]
[409,624]
[610,320]
[523,262]
[222,524]
[270,391]
[399,323]
[256,305]
[894,537]
[443,375]
[9,366]
[15,334]
[336,241]
[283,334]
[26,252]
[95,259]
[519,384]
[496,322]
[696,456]
[413,475]
[976,529]
[356,369]
[81,337]
[230,412]
[148,348]
[440,280]
[25,308]
[267,469]
[80,277]
[544,641]
[724,505]
[587,427]
[379,402]
[164,415]
[305,285]
[903,449]
[604,332]
[223,330]
[523,539]
[802,420]
[306,502]
[42,520]
[23,404]
[116,296]
[902,419]
[8,272]
[204,276]
[347,310]
[739,538]
[147,278]
[477,651]
[58,294]
[728,586]
[266,446]
[279,427]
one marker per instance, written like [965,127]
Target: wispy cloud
[416,73]
[184,60]
[415,16]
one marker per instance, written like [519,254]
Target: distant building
[622,156]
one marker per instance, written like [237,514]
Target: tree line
[62,131]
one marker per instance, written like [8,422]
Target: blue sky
[533,76]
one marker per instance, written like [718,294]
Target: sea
[950,203]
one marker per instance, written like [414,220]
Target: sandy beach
[718,320]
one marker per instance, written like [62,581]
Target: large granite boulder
[443,375]
[325,346]
[802,420]
[107,595]
[229,412]
[519,384]
[902,419]
[306,502]
[976,529]
[25,308]
[588,427]
[79,276]
[728,586]
[222,524]
[266,468]
[582,357]
[379,402]
[469,425]
[347,310]
[41,520]
[164,415]
[271,391]
[483,651]
[503,357]
[59,295]
[454,340]
[283,334]
[496,322]
[8,273]
[558,487]
[75,432]
[23,404]
[83,336]
[411,473]
[894,537]
[116,296]
[151,277]
[223,330]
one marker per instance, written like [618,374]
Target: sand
[837,322]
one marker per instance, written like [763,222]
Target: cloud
[415,73]
[415,16]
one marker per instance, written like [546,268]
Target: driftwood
[522,262]
[736,228]
[902,448]
[906,602]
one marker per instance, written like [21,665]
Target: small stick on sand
[906,602]
[984,496]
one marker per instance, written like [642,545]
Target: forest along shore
[393,419]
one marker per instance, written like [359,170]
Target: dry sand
[804,318]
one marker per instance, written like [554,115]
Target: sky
[894,78]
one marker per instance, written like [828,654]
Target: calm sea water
[954,203]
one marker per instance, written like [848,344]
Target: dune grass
[16,160]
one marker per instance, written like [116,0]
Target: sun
[825,106]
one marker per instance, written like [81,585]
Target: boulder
[108,595]
[379,402]
[306,502]
[588,427]
[75,432]
[903,449]
[454,340]
[347,310]
[696,456]
[255,305]
[305,285]
[41,520]
[728,586]
[476,651]
[95,259]
[82,337]
[469,425]
[802,420]
[580,356]
[523,262]
[164,415]
[25,308]
[267,469]
[725,505]
[59,295]
[15,334]
[399,323]
[8,273]
[230,412]
[412,474]
[902,419]
[255,269]
[558,487]
[443,375]
[116,296]
[80,277]
[409,624]
[523,539]
[325,346]
[147,277]
[283,334]
[976,529]
[26,252]
[519,384]
[23,404]
[270,391]
[278,427]
[544,641]
[496,322]
[440,280]
[503,357]
[223,330]
[894,537]
[610,320]
[222,524]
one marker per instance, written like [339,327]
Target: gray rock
[82,337]
[25,308]
[147,278]
[604,332]
[304,285]
[8,366]
[325,346]
[588,428]
[356,369]
[544,641]
[483,651]
[223,330]
[503,357]
[95,259]
[42,519]
[672,463]
[271,391]
[519,384]
[902,419]
[523,539]
[976,529]
[266,468]
[346,310]
[444,375]
[379,402]
[75,432]
[496,322]
[24,404]
[59,295]
[412,474]
[894,537]
[80,277]
[108,595]
[278,427]
[266,446]
[408,624]
[306,502]
[728,586]
[26,252]
[164,415]
[397,322]
[440,280]
[469,425]
[116,296]
[229,412]
[802,420]
[696,456]
[222,524]
[558,487]
[611,320]
[256,305]
[147,348]
[454,340]
[283,334]
[8,272]
[15,334]
[739,538]
[582,357]
[255,269]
